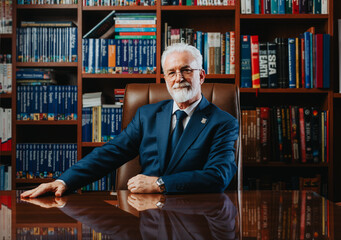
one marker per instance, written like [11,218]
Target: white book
[243,6]
[324,7]
[248,7]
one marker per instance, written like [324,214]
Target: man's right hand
[57,187]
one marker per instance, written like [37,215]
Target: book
[245,64]
[47,24]
[255,61]
[263,65]
[102,27]
[272,63]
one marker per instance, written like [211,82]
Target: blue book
[125,55]
[326,61]
[257,6]
[245,62]
[136,29]
[91,56]
[281,6]
[148,46]
[44,107]
[311,60]
[73,44]
[55,102]
[205,56]
[200,42]
[307,56]
[130,56]
[143,53]
[19,102]
[153,55]
[104,55]
[85,55]
[136,55]
[227,53]
[292,62]
[274,6]
[119,56]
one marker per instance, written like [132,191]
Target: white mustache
[181,85]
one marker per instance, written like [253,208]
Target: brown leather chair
[225,96]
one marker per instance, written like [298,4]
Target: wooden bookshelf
[203,18]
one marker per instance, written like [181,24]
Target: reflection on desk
[232,215]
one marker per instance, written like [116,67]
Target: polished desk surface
[231,215]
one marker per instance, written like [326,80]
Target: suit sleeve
[219,169]
[106,158]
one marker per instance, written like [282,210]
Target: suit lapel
[196,124]
[163,121]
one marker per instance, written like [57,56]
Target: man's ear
[202,76]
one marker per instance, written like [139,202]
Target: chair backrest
[225,96]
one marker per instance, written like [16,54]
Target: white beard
[183,91]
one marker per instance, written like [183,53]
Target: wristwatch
[161,184]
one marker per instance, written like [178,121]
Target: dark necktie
[179,128]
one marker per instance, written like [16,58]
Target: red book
[255,61]
[302,62]
[232,52]
[302,135]
[319,61]
[295,7]
[262,7]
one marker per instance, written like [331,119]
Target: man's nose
[178,77]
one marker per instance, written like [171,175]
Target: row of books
[5,129]
[217,49]
[35,76]
[44,160]
[106,183]
[199,2]
[301,62]
[52,102]
[299,215]
[119,2]
[101,123]
[119,56]
[5,73]
[6,16]
[69,233]
[5,178]
[47,1]
[284,6]
[89,233]
[47,44]
[6,216]
[289,134]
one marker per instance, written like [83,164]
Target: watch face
[160,182]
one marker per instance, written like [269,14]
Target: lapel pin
[203,120]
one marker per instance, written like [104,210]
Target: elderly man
[185,145]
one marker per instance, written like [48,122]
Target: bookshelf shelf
[47,6]
[87,75]
[5,153]
[46,225]
[92,144]
[198,8]
[58,122]
[283,90]
[34,180]
[119,8]
[284,16]
[6,35]
[337,95]
[288,165]
[6,95]
[47,64]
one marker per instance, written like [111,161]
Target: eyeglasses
[185,72]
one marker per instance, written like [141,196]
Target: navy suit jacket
[203,161]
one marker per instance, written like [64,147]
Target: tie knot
[180,115]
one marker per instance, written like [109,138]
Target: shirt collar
[189,110]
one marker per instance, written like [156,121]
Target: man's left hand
[143,184]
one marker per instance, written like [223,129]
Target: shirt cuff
[59,180]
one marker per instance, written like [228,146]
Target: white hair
[182,47]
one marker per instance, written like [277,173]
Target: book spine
[245,66]
[263,65]
[255,61]
[292,62]
[307,57]
[232,52]
[272,63]
[326,60]
[302,135]
[227,53]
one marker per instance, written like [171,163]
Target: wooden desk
[233,215]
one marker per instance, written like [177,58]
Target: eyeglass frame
[181,73]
